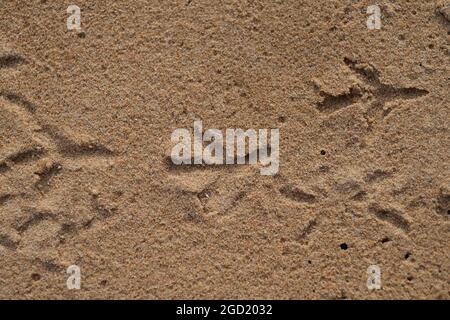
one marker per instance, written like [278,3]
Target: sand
[86,119]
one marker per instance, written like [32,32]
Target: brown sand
[86,119]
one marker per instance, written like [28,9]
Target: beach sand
[86,178]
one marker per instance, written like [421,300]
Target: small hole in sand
[323,152]
[410,278]
[282,119]
[344,246]
[407,255]
[36,276]
[385,239]
[103,283]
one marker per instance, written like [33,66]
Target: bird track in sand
[54,148]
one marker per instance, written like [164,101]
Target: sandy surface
[86,119]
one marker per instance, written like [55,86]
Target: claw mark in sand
[21,157]
[104,210]
[371,90]
[312,224]
[35,217]
[296,194]
[26,155]
[443,201]
[379,90]
[377,176]
[444,11]
[46,173]
[7,242]
[49,265]
[335,102]
[70,148]
[392,216]
[5,198]
[11,60]
[18,100]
